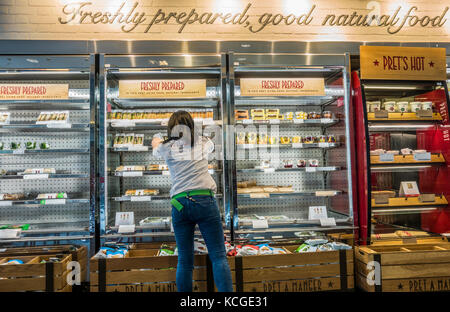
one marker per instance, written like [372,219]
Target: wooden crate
[299,272]
[347,238]
[405,268]
[80,254]
[142,271]
[33,275]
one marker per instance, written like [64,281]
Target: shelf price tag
[123,229]
[53,202]
[132,174]
[299,121]
[269,170]
[260,224]
[4,203]
[317,212]
[124,218]
[297,145]
[123,124]
[324,145]
[328,222]
[422,157]
[326,120]
[165,173]
[59,125]
[140,198]
[386,157]
[35,176]
[274,121]
[138,148]
[310,169]
[19,152]
[247,121]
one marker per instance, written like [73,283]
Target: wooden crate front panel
[143,271]
[35,283]
[406,268]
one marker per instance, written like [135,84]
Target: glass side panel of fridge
[139,181]
[44,153]
[409,155]
[291,155]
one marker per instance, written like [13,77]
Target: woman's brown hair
[180,118]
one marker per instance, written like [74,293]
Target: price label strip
[132,174]
[35,176]
[386,157]
[422,157]
[327,222]
[260,224]
[53,201]
[140,198]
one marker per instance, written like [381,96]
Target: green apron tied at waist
[179,206]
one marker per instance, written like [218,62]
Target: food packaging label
[328,222]
[35,176]
[126,229]
[140,198]
[422,157]
[386,157]
[132,174]
[53,202]
[317,212]
[260,224]
[409,188]
[124,218]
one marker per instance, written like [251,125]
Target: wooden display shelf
[410,202]
[34,275]
[405,268]
[404,117]
[141,271]
[407,160]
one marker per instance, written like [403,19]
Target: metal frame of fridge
[113,68]
[79,72]
[289,66]
[428,222]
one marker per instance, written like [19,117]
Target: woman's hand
[156,142]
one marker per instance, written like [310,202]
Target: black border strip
[377,258]
[49,277]
[102,275]
[209,275]
[343,269]
[239,274]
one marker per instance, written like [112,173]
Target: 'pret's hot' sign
[282,86]
[34,91]
[402,63]
[187,88]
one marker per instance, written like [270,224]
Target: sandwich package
[56,117]
[61,195]
[4,118]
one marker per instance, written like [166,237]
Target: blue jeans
[202,210]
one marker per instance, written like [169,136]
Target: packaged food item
[119,140]
[313,162]
[40,171]
[270,189]
[278,251]
[138,140]
[297,139]
[289,115]
[23,227]
[339,246]
[373,106]
[258,114]
[44,146]
[331,139]
[288,164]
[273,140]
[427,105]
[4,118]
[285,140]
[301,115]
[11,196]
[167,250]
[392,152]
[240,138]
[301,163]
[315,242]
[406,151]
[310,139]
[200,248]
[377,152]
[302,248]
[262,139]
[248,250]
[285,189]
[13,261]
[323,139]
[1,146]
[53,117]
[327,115]
[390,106]
[245,184]
[403,107]
[30,145]
[272,114]
[252,138]
[264,249]
[15,145]
[325,247]
[61,195]
[129,138]
[419,151]
[241,114]
[415,106]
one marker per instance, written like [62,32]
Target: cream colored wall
[38,19]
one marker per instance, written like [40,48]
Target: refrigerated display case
[47,154]
[402,141]
[292,152]
[138,93]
